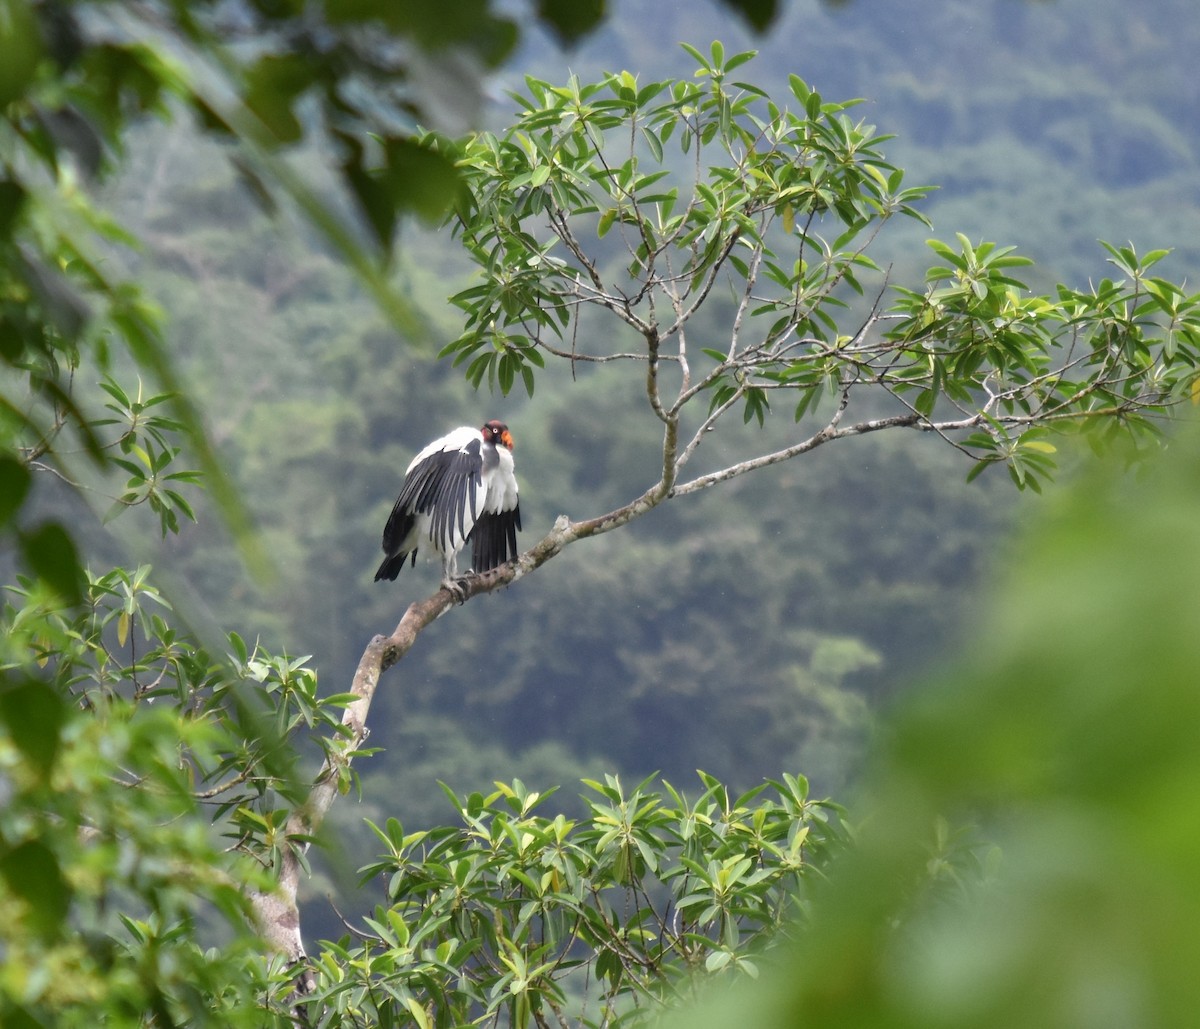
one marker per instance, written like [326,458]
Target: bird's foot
[458,587]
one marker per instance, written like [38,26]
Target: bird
[459,489]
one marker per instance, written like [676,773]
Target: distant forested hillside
[745,633]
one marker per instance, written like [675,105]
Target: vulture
[458,490]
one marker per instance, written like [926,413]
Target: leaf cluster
[130,751]
[598,920]
[588,159]
[66,104]
[136,436]
[1114,357]
[765,215]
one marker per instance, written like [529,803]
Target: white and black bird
[458,490]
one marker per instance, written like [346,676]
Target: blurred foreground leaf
[1069,736]
[34,715]
[51,554]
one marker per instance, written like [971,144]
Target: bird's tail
[392,564]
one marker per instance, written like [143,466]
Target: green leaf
[15,481]
[32,874]
[51,556]
[21,45]
[12,201]
[420,1016]
[696,54]
[239,647]
[34,715]
[740,59]
[421,179]
[273,85]
[717,960]
[654,142]
[506,372]
[571,19]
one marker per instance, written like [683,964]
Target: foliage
[129,751]
[778,216]
[66,103]
[559,164]
[1072,715]
[596,921]
[174,750]
[114,887]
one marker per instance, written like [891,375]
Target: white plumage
[459,489]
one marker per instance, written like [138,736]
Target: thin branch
[710,279]
[827,434]
[739,316]
[707,426]
[228,784]
[621,306]
[571,355]
[562,229]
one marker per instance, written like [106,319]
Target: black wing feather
[464,481]
[393,563]
[442,485]
[494,539]
[453,482]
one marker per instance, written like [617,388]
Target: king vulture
[460,489]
